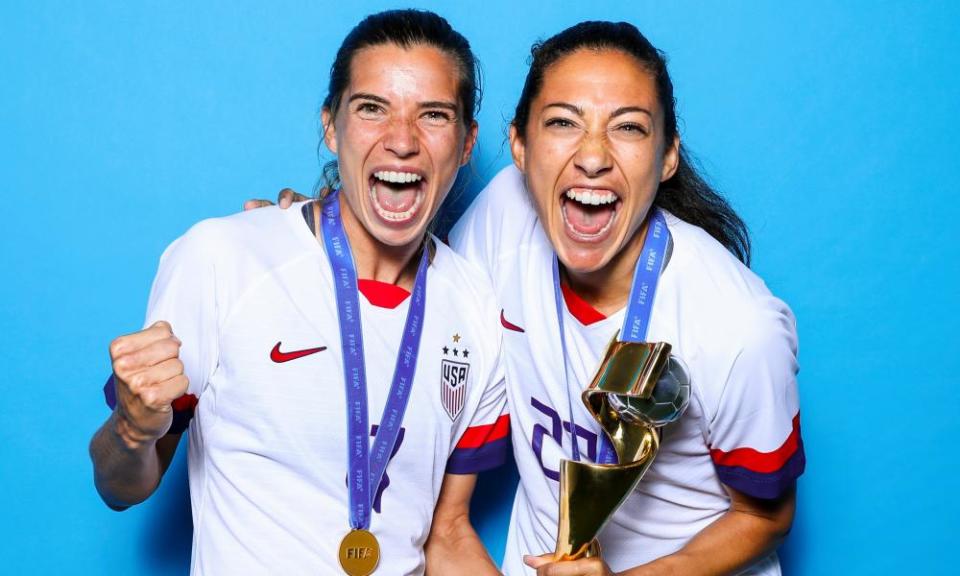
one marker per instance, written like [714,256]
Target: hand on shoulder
[285,199]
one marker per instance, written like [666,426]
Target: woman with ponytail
[335,367]
[566,234]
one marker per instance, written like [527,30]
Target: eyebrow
[440,104]
[366,96]
[627,109]
[618,112]
[570,107]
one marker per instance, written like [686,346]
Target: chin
[583,259]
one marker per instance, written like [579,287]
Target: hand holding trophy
[638,388]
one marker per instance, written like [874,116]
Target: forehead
[605,78]
[420,72]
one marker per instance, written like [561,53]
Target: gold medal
[359,553]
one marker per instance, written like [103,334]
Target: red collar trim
[381,294]
[580,308]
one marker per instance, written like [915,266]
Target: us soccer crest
[454,368]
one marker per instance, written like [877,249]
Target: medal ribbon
[366,466]
[636,322]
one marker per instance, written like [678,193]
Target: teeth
[397,177]
[591,197]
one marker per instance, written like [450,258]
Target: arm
[130,451]
[751,528]
[151,368]
[756,449]
[125,476]
[453,546]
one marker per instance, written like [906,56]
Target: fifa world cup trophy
[638,388]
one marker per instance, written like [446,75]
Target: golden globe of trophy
[638,388]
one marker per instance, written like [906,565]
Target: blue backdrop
[833,130]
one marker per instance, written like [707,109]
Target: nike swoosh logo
[279,357]
[509,325]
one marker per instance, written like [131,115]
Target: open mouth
[396,195]
[589,213]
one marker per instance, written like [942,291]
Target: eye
[559,122]
[369,109]
[633,128]
[437,117]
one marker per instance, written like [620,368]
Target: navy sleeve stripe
[764,485]
[485,457]
[110,393]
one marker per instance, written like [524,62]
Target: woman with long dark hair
[341,367]
[605,223]
[599,168]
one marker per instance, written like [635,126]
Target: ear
[468,143]
[329,130]
[517,148]
[671,159]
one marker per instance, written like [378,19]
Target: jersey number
[558,430]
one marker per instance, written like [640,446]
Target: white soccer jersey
[251,297]
[737,340]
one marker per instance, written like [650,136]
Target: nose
[593,156]
[401,138]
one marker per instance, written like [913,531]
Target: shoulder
[500,227]
[713,276]
[253,232]
[507,184]
[467,289]
[503,201]
[726,306]
[258,222]
[458,276]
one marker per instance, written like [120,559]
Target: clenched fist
[148,375]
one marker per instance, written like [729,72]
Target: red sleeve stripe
[477,436]
[185,403]
[762,462]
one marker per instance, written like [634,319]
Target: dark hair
[685,194]
[404,28]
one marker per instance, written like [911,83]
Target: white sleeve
[754,435]
[184,294]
